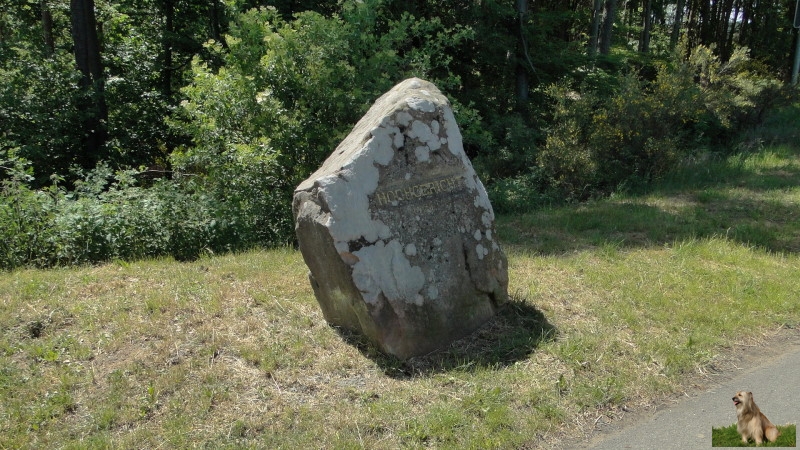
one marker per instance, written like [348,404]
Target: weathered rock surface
[397,230]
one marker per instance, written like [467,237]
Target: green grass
[729,437]
[616,305]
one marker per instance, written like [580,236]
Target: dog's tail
[772,433]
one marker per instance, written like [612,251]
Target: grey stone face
[397,230]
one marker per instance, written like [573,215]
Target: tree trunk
[705,23]
[47,29]
[214,17]
[87,58]
[731,32]
[723,25]
[647,19]
[676,26]
[166,48]
[608,27]
[522,85]
[595,28]
[691,25]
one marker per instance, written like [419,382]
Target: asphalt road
[687,424]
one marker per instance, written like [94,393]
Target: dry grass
[234,351]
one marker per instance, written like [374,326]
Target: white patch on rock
[433,292]
[487,217]
[477,235]
[399,140]
[454,139]
[410,250]
[423,153]
[479,250]
[382,143]
[341,247]
[349,216]
[347,192]
[403,118]
[421,104]
[425,134]
[383,269]
[420,130]
[384,232]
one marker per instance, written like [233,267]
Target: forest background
[142,128]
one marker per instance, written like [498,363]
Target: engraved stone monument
[397,230]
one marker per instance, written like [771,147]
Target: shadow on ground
[512,335]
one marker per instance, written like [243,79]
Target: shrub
[106,217]
[24,215]
[598,144]
[275,101]
[520,193]
[288,93]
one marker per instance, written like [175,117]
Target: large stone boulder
[397,230]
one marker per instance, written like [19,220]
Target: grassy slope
[616,303]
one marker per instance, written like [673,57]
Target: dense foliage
[187,127]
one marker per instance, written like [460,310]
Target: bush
[288,93]
[285,94]
[24,215]
[639,133]
[106,217]
[520,194]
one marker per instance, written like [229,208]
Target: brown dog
[752,422]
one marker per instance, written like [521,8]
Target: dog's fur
[752,422]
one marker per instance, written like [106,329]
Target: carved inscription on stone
[418,191]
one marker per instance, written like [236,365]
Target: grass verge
[616,304]
[729,437]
